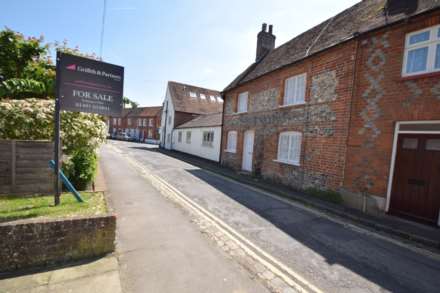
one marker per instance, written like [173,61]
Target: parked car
[123,136]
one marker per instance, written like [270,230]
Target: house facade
[182,104]
[200,137]
[141,124]
[351,105]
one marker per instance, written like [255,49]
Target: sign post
[84,85]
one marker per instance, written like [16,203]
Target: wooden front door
[416,182]
[248,150]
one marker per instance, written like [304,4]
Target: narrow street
[158,248]
[329,255]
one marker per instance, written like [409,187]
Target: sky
[200,42]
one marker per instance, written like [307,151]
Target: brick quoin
[341,150]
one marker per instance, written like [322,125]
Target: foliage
[132,104]
[14,208]
[81,168]
[25,67]
[327,195]
[81,133]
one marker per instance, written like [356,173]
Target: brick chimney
[393,7]
[265,42]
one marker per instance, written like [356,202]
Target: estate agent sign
[86,85]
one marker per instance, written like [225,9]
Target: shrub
[81,133]
[81,168]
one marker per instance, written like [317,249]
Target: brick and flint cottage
[184,103]
[351,105]
[141,123]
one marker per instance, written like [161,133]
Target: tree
[132,104]
[26,69]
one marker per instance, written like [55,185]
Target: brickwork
[323,120]
[30,243]
[381,99]
[349,116]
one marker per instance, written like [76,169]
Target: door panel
[248,150]
[416,181]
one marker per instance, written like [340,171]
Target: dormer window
[193,94]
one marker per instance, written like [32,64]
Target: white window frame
[193,94]
[119,121]
[219,99]
[212,98]
[203,96]
[242,102]
[151,122]
[129,121]
[431,44]
[291,135]
[299,97]
[179,137]
[139,122]
[231,146]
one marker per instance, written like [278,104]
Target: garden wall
[29,243]
[24,167]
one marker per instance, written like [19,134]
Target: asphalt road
[332,256]
[159,249]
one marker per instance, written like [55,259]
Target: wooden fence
[24,167]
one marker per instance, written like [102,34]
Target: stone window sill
[291,105]
[230,151]
[421,75]
[287,163]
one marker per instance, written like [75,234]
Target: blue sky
[205,43]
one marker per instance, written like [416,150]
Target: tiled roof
[183,102]
[365,16]
[143,111]
[208,120]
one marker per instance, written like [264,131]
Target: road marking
[335,219]
[292,278]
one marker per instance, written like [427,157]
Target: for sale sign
[86,85]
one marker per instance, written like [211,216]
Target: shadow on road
[389,266]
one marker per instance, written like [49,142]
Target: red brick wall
[397,99]
[323,120]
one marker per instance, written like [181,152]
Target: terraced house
[351,105]
[141,123]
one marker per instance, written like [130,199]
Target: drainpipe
[222,94]
[350,109]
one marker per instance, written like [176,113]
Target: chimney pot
[265,42]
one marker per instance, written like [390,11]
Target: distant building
[200,136]
[141,123]
[182,104]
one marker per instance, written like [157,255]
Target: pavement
[100,275]
[159,248]
[332,255]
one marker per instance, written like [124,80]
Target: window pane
[284,148]
[433,144]
[410,143]
[437,57]
[420,37]
[417,60]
